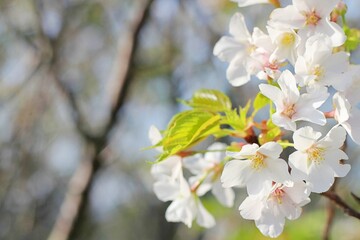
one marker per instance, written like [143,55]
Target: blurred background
[81,83]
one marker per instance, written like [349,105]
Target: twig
[341,204]
[330,211]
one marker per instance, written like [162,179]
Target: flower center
[315,154]
[289,111]
[251,48]
[257,161]
[318,71]
[312,18]
[288,39]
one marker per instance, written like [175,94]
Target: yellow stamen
[289,111]
[288,39]
[258,161]
[318,71]
[315,154]
[312,18]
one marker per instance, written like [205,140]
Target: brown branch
[74,207]
[330,211]
[341,204]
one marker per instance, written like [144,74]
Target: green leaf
[209,99]
[233,119]
[353,39]
[260,102]
[244,111]
[188,128]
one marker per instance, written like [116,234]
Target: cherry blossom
[258,164]
[291,106]
[274,203]
[318,161]
[309,17]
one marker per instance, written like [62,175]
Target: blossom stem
[286,144]
[276,3]
[330,114]
[341,204]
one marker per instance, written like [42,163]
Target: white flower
[207,170]
[347,116]
[318,161]
[291,106]
[273,204]
[261,164]
[309,17]
[186,205]
[320,67]
[244,3]
[243,53]
[286,41]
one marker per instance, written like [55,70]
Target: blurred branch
[74,207]
[330,211]
[341,204]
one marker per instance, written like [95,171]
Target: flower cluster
[302,59]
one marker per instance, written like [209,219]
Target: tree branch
[73,210]
[341,204]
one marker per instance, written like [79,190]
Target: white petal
[238,28]
[225,196]
[334,139]
[273,93]
[271,149]
[237,73]
[288,17]
[166,191]
[298,164]
[271,223]
[251,208]
[333,158]
[236,173]
[298,193]
[288,86]
[278,169]
[245,152]
[305,137]
[204,218]
[283,121]
[181,210]
[321,177]
[227,48]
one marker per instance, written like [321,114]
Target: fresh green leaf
[209,99]
[188,128]
[260,101]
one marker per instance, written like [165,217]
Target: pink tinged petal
[288,17]
[278,169]
[227,48]
[236,173]
[321,177]
[281,120]
[302,6]
[271,149]
[271,223]
[334,139]
[237,73]
[181,210]
[288,86]
[305,137]
[333,157]
[166,191]
[251,207]
[238,28]
[274,94]
[204,218]
[225,196]
[298,164]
